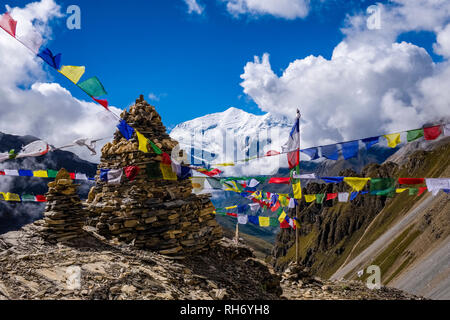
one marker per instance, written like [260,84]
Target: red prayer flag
[432,133]
[166,159]
[411,180]
[331,196]
[131,172]
[41,199]
[285,225]
[104,103]
[280,180]
[2,173]
[276,206]
[422,190]
[72,175]
[211,173]
[232,214]
[8,24]
[272,153]
[293,159]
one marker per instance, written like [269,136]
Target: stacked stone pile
[150,212]
[64,213]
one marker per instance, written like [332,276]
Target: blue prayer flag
[353,196]
[332,179]
[50,59]
[312,153]
[25,173]
[125,129]
[104,174]
[371,141]
[254,220]
[330,152]
[350,149]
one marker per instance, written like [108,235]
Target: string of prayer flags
[393,139]
[411,181]
[125,129]
[143,142]
[435,185]
[413,135]
[432,133]
[369,142]
[53,61]
[73,73]
[349,149]
[330,152]
[8,24]
[112,176]
[93,87]
[357,184]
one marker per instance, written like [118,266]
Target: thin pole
[237,234]
[297,208]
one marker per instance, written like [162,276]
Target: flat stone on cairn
[150,212]
[64,213]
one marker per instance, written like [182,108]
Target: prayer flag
[166,159]
[343,196]
[435,185]
[310,197]
[40,174]
[432,133]
[242,219]
[50,59]
[276,206]
[313,153]
[253,219]
[282,217]
[330,152]
[143,142]
[273,222]
[292,203]
[167,172]
[81,176]
[349,149]
[447,130]
[73,73]
[411,180]
[272,153]
[369,142]
[25,173]
[72,175]
[400,190]
[125,129]
[423,189]
[307,176]
[102,102]
[155,148]
[382,186]
[264,221]
[93,87]
[320,197]
[414,134]
[393,139]
[280,180]
[357,184]
[28,198]
[284,224]
[52,173]
[331,196]
[112,176]
[131,172]
[353,196]
[413,191]
[12,197]
[8,24]
[297,189]
[332,179]
[41,198]
[14,173]
[232,214]
[292,146]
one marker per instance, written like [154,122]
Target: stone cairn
[151,213]
[64,216]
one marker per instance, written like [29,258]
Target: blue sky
[192,62]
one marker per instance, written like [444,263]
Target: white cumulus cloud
[371,84]
[194,7]
[30,103]
[287,9]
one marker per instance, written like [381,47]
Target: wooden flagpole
[297,208]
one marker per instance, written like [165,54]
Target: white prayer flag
[242,219]
[14,173]
[435,185]
[343,196]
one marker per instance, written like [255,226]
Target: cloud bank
[287,9]
[371,85]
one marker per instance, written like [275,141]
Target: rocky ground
[31,268]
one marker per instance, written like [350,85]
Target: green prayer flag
[153,171]
[155,147]
[93,87]
[52,173]
[382,186]
[414,134]
[413,191]
[274,222]
[320,197]
[28,197]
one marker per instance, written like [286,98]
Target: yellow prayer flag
[72,73]
[12,197]
[264,221]
[225,165]
[232,207]
[356,183]
[143,143]
[40,174]
[297,224]
[167,172]
[282,217]
[310,197]
[401,190]
[297,188]
[393,139]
